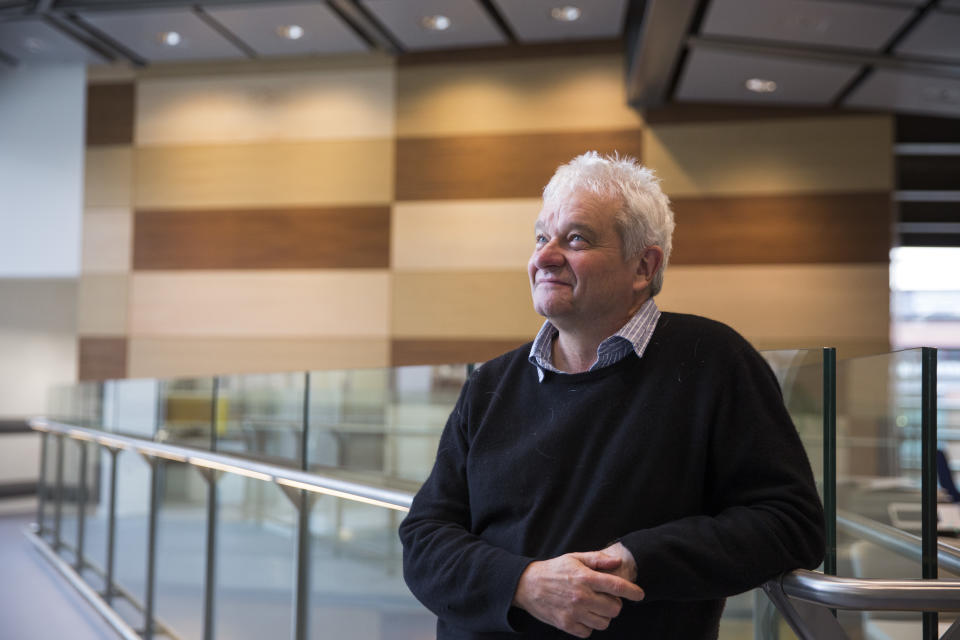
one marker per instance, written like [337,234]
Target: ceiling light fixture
[169,38]
[759,85]
[290,31]
[565,14]
[436,23]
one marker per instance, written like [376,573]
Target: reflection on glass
[256,543]
[186,412]
[131,407]
[357,589]
[264,416]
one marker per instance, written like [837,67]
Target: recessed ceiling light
[565,14]
[759,85]
[290,31]
[436,23]
[169,38]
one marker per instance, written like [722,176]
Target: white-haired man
[625,472]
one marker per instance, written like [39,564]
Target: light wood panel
[496,166]
[413,352]
[265,174]
[108,176]
[174,356]
[102,305]
[520,96]
[298,105]
[255,304]
[463,234]
[110,109]
[346,237]
[804,228]
[107,236]
[812,155]
[474,305]
[807,305]
[102,358]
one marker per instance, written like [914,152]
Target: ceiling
[886,55]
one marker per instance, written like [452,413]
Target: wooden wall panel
[102,358]
[476,305]
[110,113]
[812,155]
[819,228]
[463,234]
[496,166]
[107,233]
[254,304]
[175,356]
[276,174]
[102,306]
[812,305]
[108,177]
[344,237]
[412,352]
[516,96]
[292,105]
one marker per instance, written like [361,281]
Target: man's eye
[541,239]
[576,237]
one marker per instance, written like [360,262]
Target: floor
[36,603]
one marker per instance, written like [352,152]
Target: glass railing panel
[186,412]
[264,416]
[48,485]
[357,588]
[96,517]
[132,514]
[256,546]
[78,404]
[878,475]
[70,505]
[132,407]
[181,551]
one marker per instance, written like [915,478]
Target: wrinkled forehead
[581,205]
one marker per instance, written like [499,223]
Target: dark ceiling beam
[656,31]
[880,61]
[359,19]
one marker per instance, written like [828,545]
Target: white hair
[644,218]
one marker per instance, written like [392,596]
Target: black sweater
[687,456]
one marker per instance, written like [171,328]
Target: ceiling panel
[32,40]
[937,35]
[901,91]
[470,25]
[142,32]
[532,20]
[261,28]
[721,76]
[816,22]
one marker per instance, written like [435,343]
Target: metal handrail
[283,476]
[900,542]
[872,595]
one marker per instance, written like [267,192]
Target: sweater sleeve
[762,513]
[461,578]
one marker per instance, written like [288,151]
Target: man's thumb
[599,561]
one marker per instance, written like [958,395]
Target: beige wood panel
[548,94]
[107,239]
[108,176]
[476,305]
[426,351]
[772,156]
[299,105]
[463,234]
[102,305]
[806,305]
[320,303]
[265,174]
[174,356]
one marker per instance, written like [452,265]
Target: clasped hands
[579,592]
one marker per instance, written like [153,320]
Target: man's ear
[647,267]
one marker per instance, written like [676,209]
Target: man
[625,472]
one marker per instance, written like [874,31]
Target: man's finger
[598,560]
[615,586]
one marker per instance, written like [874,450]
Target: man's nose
[548,255]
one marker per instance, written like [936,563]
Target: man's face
[578,275]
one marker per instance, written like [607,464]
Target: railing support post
[43,484]
[928,482]
[111,525]
[58,504]
[156,475]
[830,458]
[81,506]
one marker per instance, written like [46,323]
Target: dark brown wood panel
[102,358]
[496,166]
[110,113]
[411,352]
[827,228]
[308,238]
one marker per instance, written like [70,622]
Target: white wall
[41,170]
